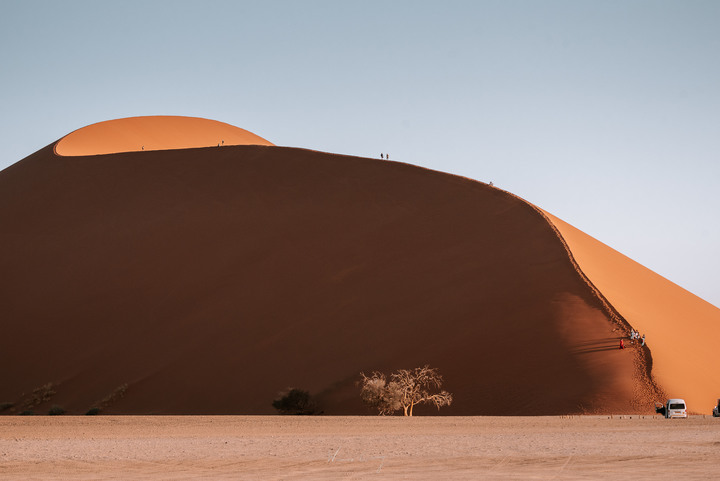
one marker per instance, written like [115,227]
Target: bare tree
[416,387]
[406,389]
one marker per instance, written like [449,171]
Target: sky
[604,113]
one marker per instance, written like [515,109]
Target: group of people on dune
[634,336]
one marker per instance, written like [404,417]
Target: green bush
[93,412]
[56,410]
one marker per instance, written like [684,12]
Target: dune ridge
[643,362]
[678,324]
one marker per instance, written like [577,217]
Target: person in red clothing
[622,344]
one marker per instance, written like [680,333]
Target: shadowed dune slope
[680,327]
[207,280]
[161,132]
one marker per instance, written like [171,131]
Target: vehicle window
[677,406]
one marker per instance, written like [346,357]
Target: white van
[673,408]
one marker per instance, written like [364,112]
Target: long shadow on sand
[599,345]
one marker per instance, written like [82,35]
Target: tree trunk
[412,405]
[405,410]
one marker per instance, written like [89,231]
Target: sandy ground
[276,447]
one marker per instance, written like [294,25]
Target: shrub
[113,397]
[6,406]
[295,401]
[39,395]
[56,410]
[379,394]
[93,412]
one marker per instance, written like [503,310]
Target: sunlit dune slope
[207,280]
[153,133]
[680,327]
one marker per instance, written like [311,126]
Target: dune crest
[161,132]
[680,327]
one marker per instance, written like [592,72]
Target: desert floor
[277,447]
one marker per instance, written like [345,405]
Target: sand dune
[153,133]
[679,326]
[206,280]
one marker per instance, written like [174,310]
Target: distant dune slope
[207,280]
[680,328]
[162,132]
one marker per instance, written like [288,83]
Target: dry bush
[39,395]
[56,410]
[295,401]
[377,393]
[110,399]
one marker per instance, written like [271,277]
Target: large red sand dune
[206,280]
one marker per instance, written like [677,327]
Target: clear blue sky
[605,113]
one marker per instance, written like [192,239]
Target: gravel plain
[319,448]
